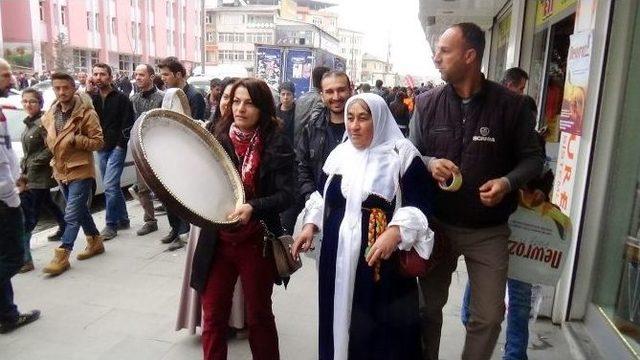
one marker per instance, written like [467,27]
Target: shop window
[500,44]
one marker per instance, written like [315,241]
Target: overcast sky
[396,20]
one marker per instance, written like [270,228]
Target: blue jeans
[111,167]
[517,318]
[11,258]
[77,213]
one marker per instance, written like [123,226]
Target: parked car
[15,114]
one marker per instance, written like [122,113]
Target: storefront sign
[566,171]
[577,80]
[548,8]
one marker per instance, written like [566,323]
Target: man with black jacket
[323,132]
[480,132]
[116,119]
[174,75]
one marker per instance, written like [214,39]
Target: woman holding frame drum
[252,137]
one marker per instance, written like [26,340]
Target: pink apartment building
[122,33]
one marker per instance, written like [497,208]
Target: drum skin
[186,167]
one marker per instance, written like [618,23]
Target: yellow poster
[548,8]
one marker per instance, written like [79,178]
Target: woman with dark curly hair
[252,137]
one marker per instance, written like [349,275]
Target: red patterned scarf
[248,148]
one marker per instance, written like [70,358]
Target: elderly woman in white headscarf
[373,204]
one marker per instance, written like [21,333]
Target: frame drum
[186,167]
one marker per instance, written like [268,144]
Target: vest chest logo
[484,135]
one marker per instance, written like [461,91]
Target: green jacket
[35,162]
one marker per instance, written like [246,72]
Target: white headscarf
[374,170]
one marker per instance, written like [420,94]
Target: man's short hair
[474,37]
[335,73]
[317,74]
[103,66]
[63,76]
[379,83]
[515,75]
[149,69]
[174,65]
[215,82]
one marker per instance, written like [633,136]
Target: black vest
[479,141]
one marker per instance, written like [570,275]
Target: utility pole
[202,33]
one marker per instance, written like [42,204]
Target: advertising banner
[298,68]
[576,83]
[269,65]
[566,171]
[540,236]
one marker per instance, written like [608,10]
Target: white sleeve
[414,231]
[313,210]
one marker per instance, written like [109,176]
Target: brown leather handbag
[281,248]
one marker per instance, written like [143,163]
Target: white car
[15,114]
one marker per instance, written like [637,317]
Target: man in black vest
[479,131]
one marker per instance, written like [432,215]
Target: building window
[89,18]
[169,39]
[152,35]
[134,35]
[259,19]
[210,37]
[63,10]
[249,56]
[168,8]
[209,18]
[114,25]
[41,10]
[94,58]
[317,21]
[96,24]
[79,60]
[209,56]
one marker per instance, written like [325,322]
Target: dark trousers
[42,200]
[11,258]
[257,275]
[177,225]
[487,258]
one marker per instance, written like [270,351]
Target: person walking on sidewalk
[11,221]
[174,75]
[147,98]
[115,112]
[73,133]
[36,173]
[480,132]
[520,292]
[252,137]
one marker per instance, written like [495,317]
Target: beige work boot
[94,247]
[59,263]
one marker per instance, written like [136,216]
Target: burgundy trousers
[257,273]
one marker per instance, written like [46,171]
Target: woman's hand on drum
[384,246]
[242,213]
[304,241]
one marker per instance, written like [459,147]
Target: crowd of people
[367,172]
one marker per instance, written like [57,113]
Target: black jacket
[196,102]
[276,189]
[116,118]
[494,138]
[313,148]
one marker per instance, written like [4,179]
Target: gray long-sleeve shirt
[9,169]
